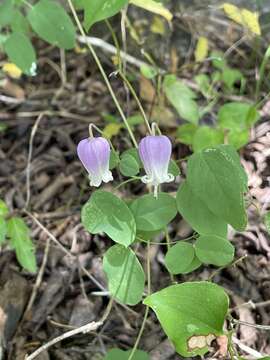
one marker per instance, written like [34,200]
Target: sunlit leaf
[154,7]
[201,50]
[244,17]
[12,70]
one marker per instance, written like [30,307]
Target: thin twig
[247,349]
[28,168]
[81,330]
[38,279]
[256,326]
[68,253]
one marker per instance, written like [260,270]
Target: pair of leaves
[105,212]
[184,257]
[182,98]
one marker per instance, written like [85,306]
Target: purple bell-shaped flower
[94,153]
[155,153]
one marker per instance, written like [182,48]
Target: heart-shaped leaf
[192,314]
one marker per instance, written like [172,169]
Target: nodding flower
[94,153]
[155,153]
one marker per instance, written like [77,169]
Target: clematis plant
[206,202]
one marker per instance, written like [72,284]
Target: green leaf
[203,81]
[125,274]
[206,137]
[128,165]
[51,22]
[135,120]
[105,212]
[231,76]
[238,138]
[186,132]
[197,214]
[152,213]
[114,159]
[179,257]
[195,264]
[19,23]
[267,221]
[3,127]
[237,116]
[18,232]
[21,52]
[98,10]
[6,12]
[219,61]
[149,72]
[215,250]
[190,310]
[117,354]
[3,229]
[182,98]
[216,179]
[235,159]
[173,168]
[3,208]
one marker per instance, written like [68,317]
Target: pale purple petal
[155,153]
[94,153]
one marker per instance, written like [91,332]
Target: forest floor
[47,116]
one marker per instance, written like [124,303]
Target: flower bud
[94,154]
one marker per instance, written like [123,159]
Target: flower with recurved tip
[94,153]
[155,153]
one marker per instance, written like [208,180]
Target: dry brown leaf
[13,89]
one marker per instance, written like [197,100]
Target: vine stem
[105,77]
[148,265]
[133,92]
